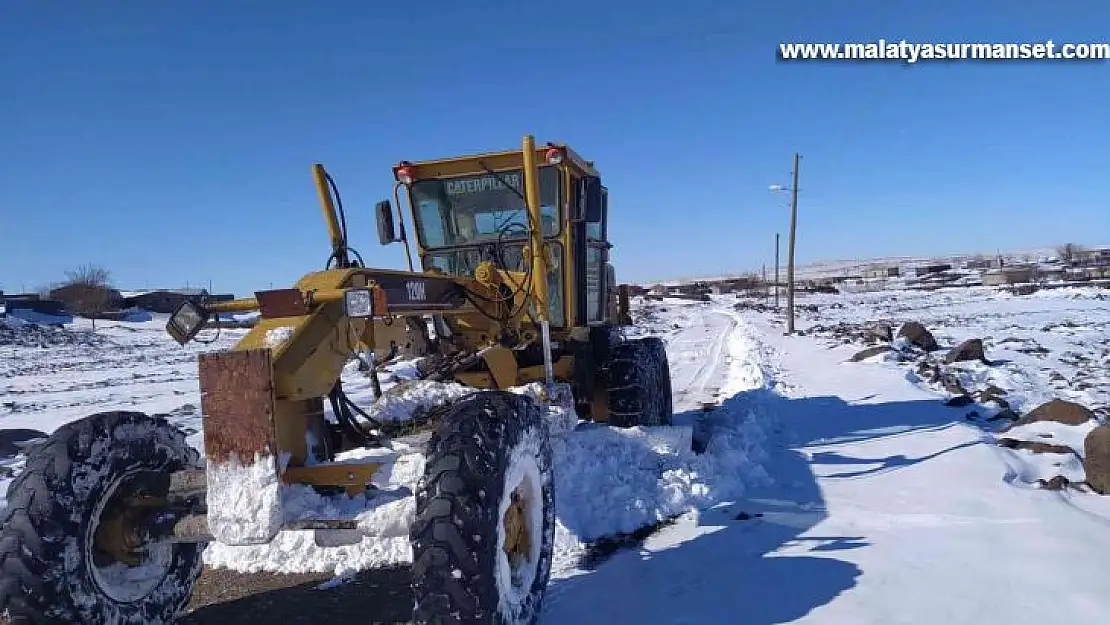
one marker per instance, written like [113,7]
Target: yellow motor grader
[515,298]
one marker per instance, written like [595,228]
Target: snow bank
[611,481]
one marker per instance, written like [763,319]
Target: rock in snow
[971,349]
[871,351]
[1096,459]
[918,336]
[1059,411]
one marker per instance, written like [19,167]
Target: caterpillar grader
[515,300]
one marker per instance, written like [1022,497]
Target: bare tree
[86,291]
[1068,251]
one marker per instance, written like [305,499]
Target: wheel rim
[519,532]
[124,567]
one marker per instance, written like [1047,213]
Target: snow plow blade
[237,398]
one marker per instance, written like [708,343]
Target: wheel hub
[123,558]
[518,541]
[118,538]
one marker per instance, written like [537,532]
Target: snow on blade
[244,501]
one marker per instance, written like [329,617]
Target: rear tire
[487,484]
[639,384]
[51,568]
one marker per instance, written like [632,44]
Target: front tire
[640,384]
[484,531]
[54,566]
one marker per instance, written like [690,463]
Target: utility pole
[765,293]
[790,249]
[776,271]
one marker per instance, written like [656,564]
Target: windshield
[481,209]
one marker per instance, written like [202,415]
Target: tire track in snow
[704,340]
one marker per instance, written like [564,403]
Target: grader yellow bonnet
[515,298]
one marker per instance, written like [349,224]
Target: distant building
[1089,273]
[167,300]
[1051,271]
[1091,258]
[32,302]
[874,273]
[87,298]
[937,268]
[1013,274]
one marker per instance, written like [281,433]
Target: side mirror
[593,198]
[386,232]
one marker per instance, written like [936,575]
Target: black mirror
[593,198]
[386,232]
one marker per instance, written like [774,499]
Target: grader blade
[237,397]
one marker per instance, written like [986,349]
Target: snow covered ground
[52,375]
[883,504]
[1052,343]
[831,492]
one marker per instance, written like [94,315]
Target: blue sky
[171,142]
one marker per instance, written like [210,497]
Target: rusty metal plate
[237,398]
[281,303]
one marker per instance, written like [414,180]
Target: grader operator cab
[515,298]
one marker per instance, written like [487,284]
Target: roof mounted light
[405,173]
[554,155]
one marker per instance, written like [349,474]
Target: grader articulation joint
[515,298]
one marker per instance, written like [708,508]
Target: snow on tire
[484,531]
[53,568]
[639,383]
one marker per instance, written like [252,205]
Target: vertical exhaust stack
[335,231]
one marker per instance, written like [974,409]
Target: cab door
[591,251]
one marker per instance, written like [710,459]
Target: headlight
[358,303]
[186,321]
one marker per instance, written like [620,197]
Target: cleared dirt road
[224,597]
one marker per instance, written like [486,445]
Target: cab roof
[496,161]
